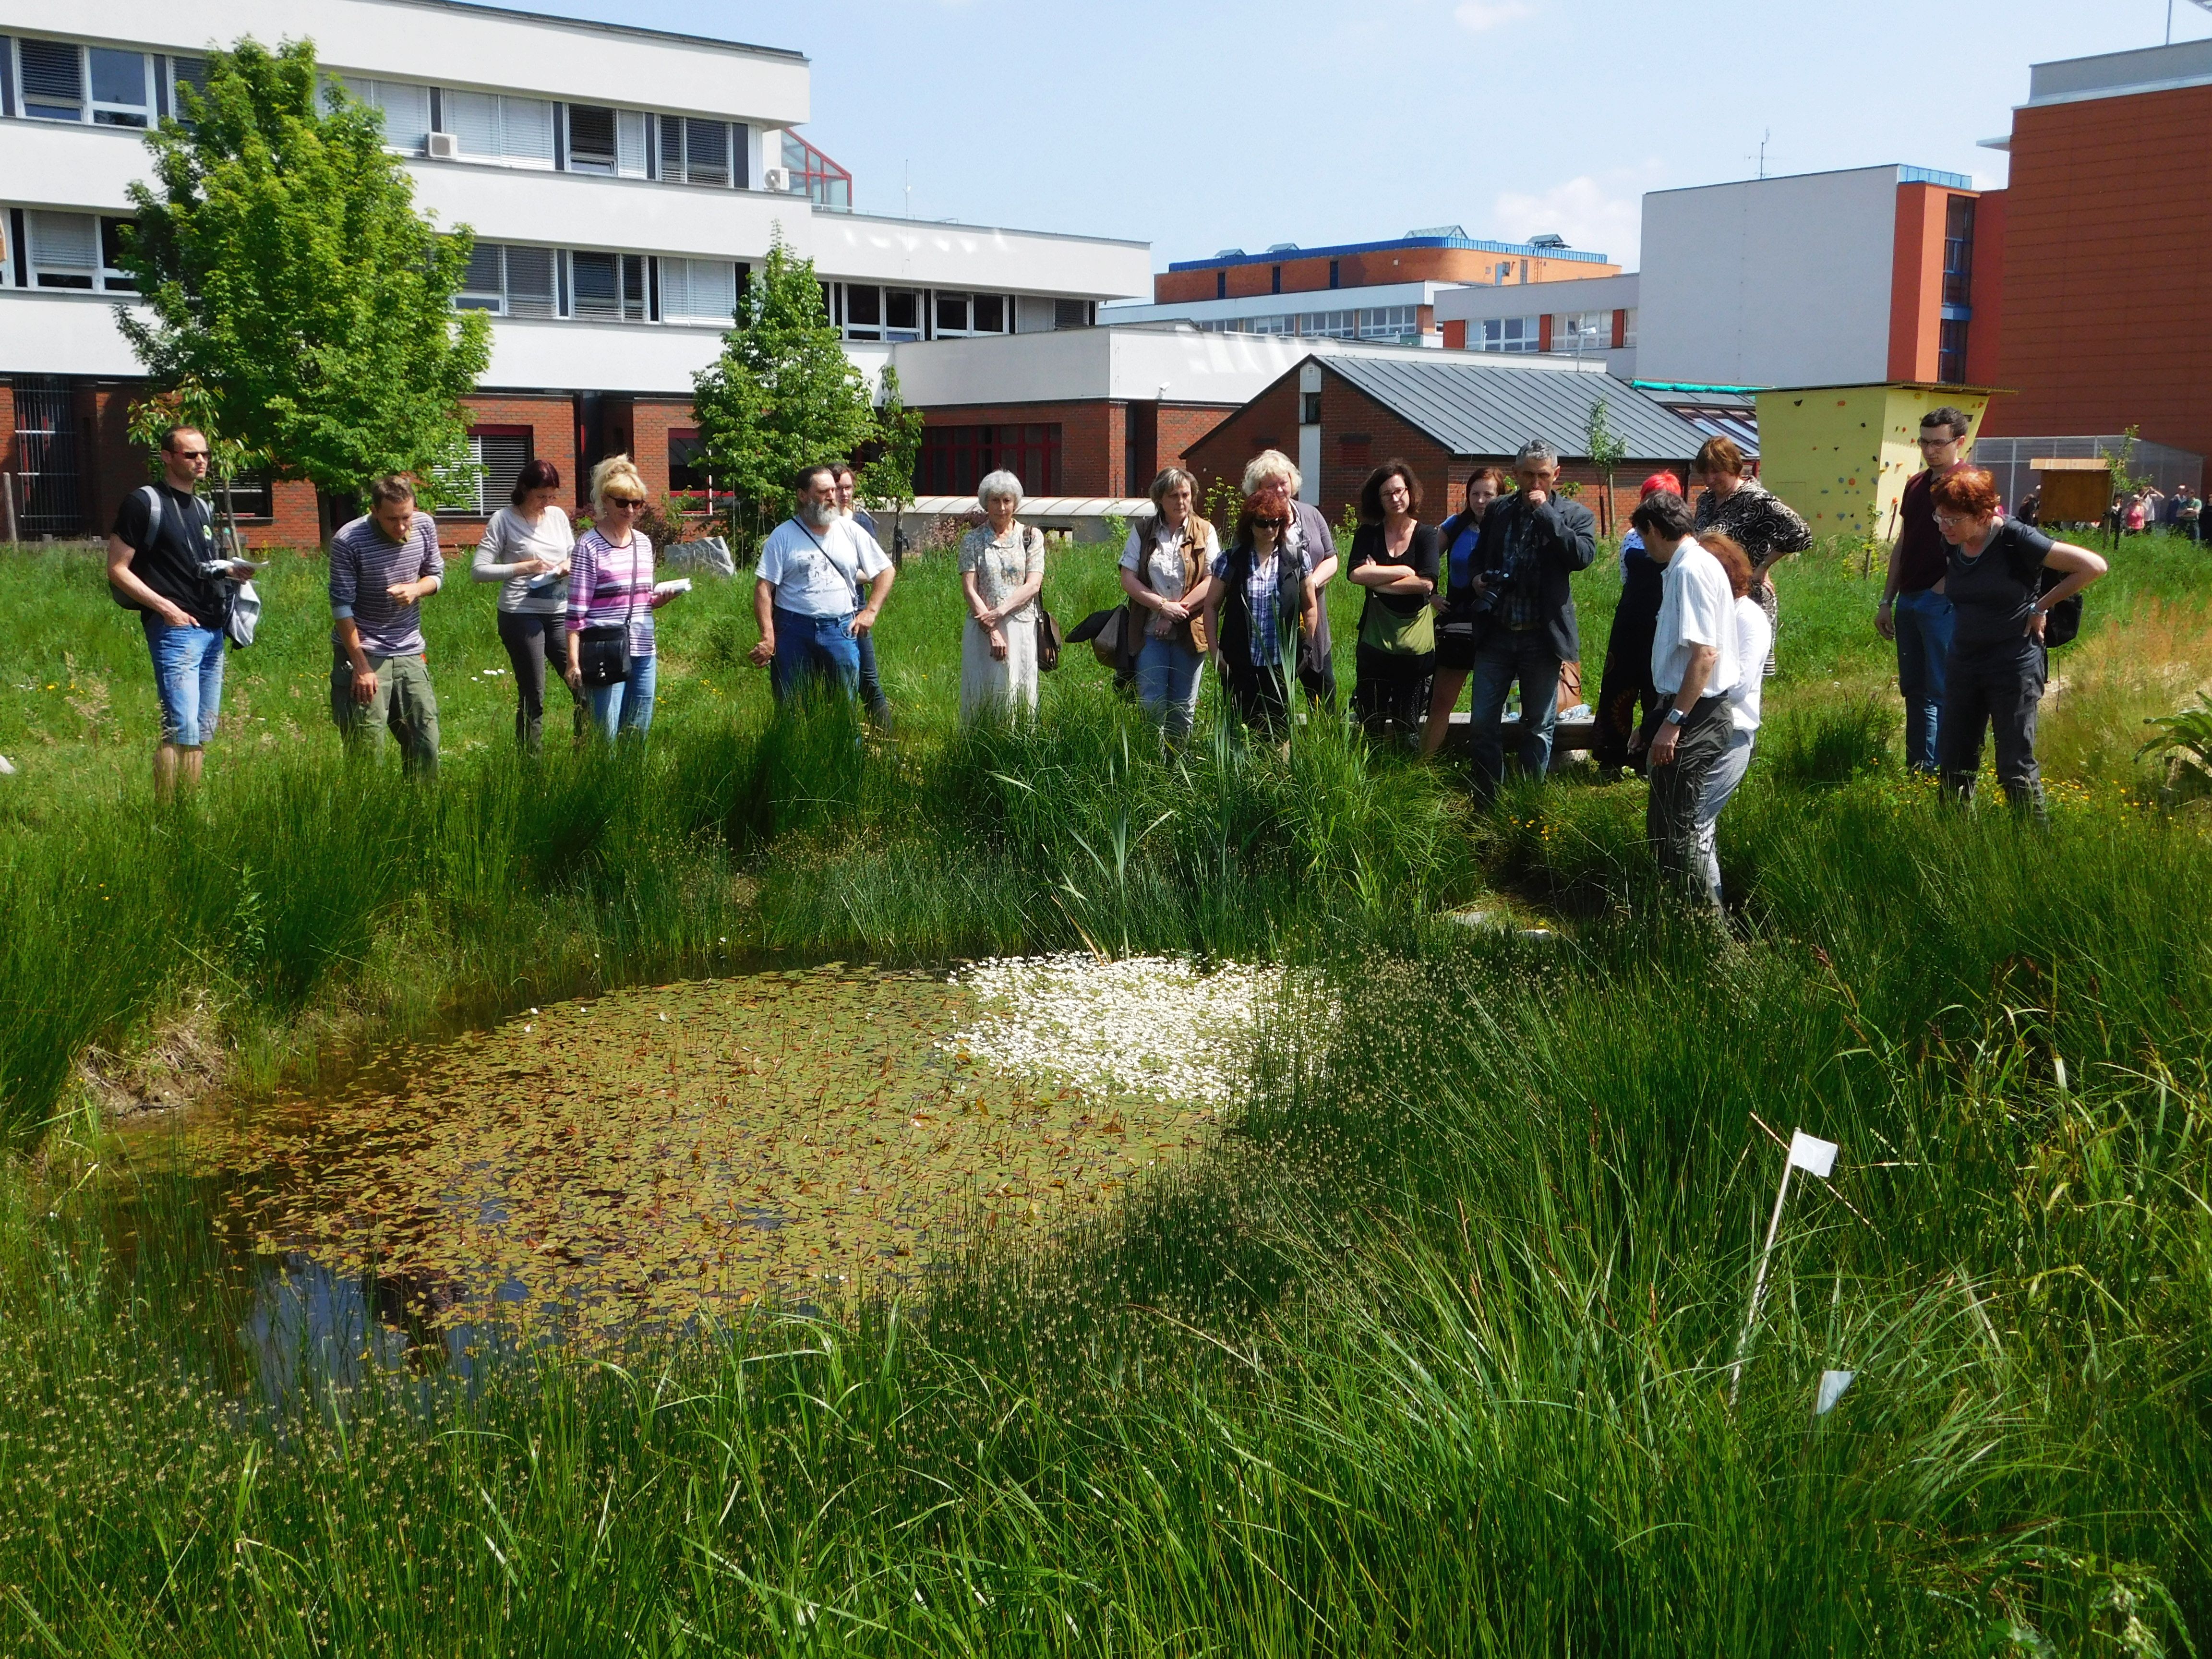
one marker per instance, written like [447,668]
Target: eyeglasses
[190,454]
[634,503]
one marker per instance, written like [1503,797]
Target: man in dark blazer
[1532,542]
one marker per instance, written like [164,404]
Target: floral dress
[1002,564]
[1764,527]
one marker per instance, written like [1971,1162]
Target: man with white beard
[807,591]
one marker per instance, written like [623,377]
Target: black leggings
[1260,694]
[1393,691]
[528,636]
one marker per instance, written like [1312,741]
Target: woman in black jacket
[1260,601]
[1396,558]
[1459,610]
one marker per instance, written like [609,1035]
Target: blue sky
[1199,127]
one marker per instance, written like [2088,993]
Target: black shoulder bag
[603,649]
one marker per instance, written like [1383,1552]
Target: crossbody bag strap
[852,575]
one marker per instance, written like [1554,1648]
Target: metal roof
[1451,238]
[1475,409]
[1042,507]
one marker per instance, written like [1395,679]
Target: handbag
[1048,639]
[603,649]
[1382,628]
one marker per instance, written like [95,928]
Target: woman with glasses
[525,548]
[1260,601]
[611,605]
[1765,526]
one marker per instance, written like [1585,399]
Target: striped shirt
[364,563]
[610,585]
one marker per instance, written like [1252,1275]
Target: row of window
[509,279]
[1398,323]
[1573,332]
[106,86]
[77,250]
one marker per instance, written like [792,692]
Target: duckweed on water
[654,1154]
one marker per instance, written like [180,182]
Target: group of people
[1485,598]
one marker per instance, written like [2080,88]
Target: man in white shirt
[1693,667]
[807,591]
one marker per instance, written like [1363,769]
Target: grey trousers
[1998,691]
[1677,790]
[1720,783]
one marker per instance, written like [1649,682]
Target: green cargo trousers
[404,702]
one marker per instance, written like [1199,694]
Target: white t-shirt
[1166,573]
[1754,636]
[820,573]
[1695,607]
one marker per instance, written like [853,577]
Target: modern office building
[1593,319]
[622,184]
[1377,291]
[2106,252]
[1851,278]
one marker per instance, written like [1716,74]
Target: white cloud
[1596,215]
[1480,16]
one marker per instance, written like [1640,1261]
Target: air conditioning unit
[444,147]
[776,178]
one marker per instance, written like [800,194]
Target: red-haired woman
[1995,674]
[1395,558]
[1628,679]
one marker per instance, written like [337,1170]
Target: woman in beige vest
[1166,566]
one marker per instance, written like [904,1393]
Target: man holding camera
[1532,542]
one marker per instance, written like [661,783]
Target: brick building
[1341,415]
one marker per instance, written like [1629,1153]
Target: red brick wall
[1093,438]
[1182,425]
[1357,270]
[651,420]
[2105,271]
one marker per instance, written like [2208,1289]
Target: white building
[1593,319]
[622,184]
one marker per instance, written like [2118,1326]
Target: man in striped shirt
[382,566]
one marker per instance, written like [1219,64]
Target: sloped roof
[1478,408]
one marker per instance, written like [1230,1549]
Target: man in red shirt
[1913,611]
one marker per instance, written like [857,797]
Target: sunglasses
[1269,524]
[634,502]
[190,454]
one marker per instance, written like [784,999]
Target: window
[1959,252]
[404,107]
[698,291]
[951,313]
[1074,313]
[692,151]
[902,314]
[1274,279]
[76,251]
[1402,322]
[1309,409]
[1220,284]
[1329,325]
[687,464]
[497,457]
[188,72]
[990,316]
[610,287]
[815,176]
[1950,353]
[591,143]
[491,127]
[250,495]
[122,87]
[1334,273]
[864,312]
[1628,325]
[954,458]
[1582,331]
[52,80]
[1509,334]
[511,281]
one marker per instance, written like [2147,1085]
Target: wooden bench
[1569,737]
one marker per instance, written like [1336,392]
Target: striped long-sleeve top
[608,585]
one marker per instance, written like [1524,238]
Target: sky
[1236,124]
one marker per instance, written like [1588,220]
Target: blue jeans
[627,705]
[810,647]
[188,680]
[1502,659]
[1923,624]
[872,686]
[1168,680]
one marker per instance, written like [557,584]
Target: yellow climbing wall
[1840,454]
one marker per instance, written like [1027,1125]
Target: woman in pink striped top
[611,588]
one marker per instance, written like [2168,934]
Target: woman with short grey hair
[1001,573]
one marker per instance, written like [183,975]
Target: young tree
[888,480]
[1607,451]
[783,392]
[285,271]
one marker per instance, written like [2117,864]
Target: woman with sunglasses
[611,595]
[1260,600]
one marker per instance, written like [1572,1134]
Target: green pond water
[654,1155]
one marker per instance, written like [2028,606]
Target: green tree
[783,392]
[888,480]
[286,272]
[1606,450]
[190,404]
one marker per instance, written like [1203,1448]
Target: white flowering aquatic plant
[1157,1026]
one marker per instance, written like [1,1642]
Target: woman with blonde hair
[1167,565]
[1001,574]
[611,605]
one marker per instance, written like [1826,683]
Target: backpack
[241,605]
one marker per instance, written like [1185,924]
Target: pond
[656,1156]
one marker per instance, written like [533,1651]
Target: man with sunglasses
[1914,612]
[154,559]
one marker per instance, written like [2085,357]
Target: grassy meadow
[1430,1355]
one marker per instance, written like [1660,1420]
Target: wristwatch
[1675,717]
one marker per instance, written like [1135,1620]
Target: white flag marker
[1832,1384]
[1816,1157]
[1811,1154]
